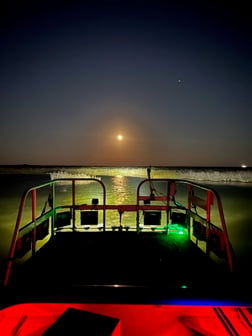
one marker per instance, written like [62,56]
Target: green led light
[183,286]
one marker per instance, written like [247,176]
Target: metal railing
[166,202]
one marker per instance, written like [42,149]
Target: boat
[169,272]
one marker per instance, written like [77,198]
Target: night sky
[173,78]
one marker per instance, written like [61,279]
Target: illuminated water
[233,185]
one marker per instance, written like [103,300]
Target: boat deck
[154,257]
[75,260]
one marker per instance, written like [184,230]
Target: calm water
[233,185]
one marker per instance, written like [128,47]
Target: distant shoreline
[196,174]
[124,166]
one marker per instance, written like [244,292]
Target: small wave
[220,177]
[215,175]
[206,174]
[62,174]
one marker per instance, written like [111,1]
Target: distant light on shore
[243,166]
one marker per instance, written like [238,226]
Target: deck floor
[81,266]
[125,258]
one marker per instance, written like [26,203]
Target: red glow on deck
[149,320]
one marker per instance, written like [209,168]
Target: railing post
[209,202]
[104,207]
[34,205]
[52,203]
[137,210]
[171,190]
[73,202]
[189,206]
[189,190]
[224,228]
[208,205]
[14,240]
